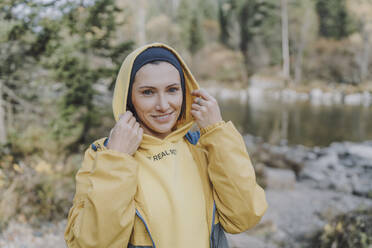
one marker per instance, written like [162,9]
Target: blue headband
[155,54]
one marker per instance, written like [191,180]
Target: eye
[147,92]
[173,89]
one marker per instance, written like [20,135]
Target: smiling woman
[157,98]
[152,182]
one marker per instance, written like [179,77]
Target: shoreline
[316,93]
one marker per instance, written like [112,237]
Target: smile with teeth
[162,117]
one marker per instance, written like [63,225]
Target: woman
[153,183]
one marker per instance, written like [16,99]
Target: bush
[217,63]
[349,230]
[333,61]
[37,191]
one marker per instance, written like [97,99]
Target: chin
[163,130]
[164,127]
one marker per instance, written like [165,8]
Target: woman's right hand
[126,135]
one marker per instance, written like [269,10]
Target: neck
[152,132]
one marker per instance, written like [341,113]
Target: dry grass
[36,181]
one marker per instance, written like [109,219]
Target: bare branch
[27,105]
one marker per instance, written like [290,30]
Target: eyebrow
[151,87]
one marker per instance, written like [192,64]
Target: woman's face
[157,98]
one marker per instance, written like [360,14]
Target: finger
[200,101]
[121,117]
[140,132]
[195,106]
[136,126]
[126,116]
[196,93]
[132,121]
[196,114]
[206,95]
[203,109]
[202,93]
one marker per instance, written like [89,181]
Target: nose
[162,103]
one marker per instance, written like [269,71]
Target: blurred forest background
[59,60]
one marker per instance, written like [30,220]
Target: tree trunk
[301,46]
[141,23]
[285,40]
[3,135]
[246,38]
[284,125]
[364,63]
[248,66]
[9,115]
[223,19]
[174,4]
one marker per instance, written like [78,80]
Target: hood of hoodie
[119,101]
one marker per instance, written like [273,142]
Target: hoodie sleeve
[240,201]
[103,209]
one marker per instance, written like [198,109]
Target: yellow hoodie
[170,193]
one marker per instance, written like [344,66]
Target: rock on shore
[306,188]
[334,180]
[22,235]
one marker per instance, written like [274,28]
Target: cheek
[143,105]
[177,101]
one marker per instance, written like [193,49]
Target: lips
[163,117]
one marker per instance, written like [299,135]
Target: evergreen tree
[184,17]
[75,46]
[25,37]
[252,16]
[225,12]
[195,34]
[208,9]
[334,19]
[253,19]
[92,29]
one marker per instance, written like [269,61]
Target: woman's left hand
[205,109]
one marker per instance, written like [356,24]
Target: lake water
[299,122]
